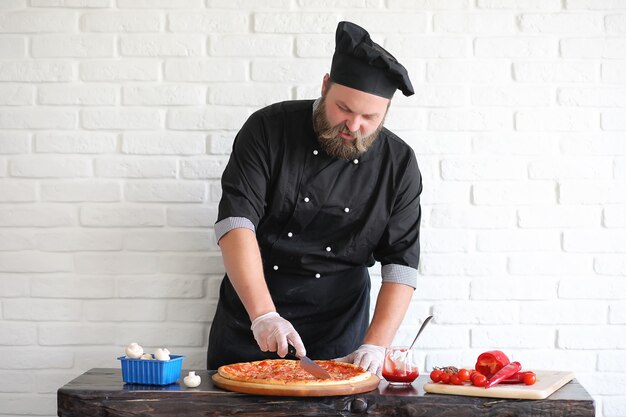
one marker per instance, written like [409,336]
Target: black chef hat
[360,63]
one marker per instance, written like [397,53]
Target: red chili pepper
[504,373]
[488,363]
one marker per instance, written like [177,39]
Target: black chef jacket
[320,222]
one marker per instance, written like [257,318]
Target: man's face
[347,121]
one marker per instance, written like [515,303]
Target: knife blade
[308,365]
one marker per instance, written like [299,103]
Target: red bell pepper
[488,363]
[504,373]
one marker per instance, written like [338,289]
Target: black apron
[331,315]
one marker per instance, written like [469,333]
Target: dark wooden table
[100,392]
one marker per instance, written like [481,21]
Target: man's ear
[325,82]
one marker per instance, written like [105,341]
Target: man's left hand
[368,357]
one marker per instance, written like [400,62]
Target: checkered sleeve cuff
[399,274]
[229,223]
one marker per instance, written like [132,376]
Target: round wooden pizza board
[297,390]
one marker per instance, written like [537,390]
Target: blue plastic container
[151,371]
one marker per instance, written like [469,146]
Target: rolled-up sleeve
[399,274]
[245,179]
[399,250]
[229,223]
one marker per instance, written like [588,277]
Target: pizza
[289,372]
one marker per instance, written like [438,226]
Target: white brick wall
[117,117]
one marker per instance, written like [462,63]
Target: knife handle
[291,350]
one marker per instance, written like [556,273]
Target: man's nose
[353,123]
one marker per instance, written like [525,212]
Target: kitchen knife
[308,365]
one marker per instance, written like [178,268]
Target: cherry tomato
[464,375]
[479,380]
[529,378]
[472,373]
[455,380]
[445,378]
[435,375]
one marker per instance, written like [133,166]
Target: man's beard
[333,144]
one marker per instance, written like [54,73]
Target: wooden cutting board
[296,390]
[547,383]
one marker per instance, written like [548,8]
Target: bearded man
[313,194]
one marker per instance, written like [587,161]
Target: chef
[313,194]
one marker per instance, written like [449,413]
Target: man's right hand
[272,333]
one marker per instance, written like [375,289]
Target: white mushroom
[192,380]
[134,351]
[162,355]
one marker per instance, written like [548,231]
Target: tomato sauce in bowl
[399,366]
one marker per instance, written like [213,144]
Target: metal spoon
[429,318]
[402,357]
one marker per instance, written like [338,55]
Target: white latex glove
[368,357]
[272,333]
